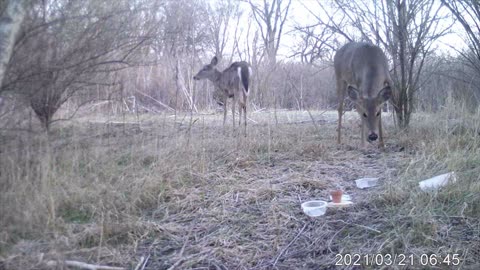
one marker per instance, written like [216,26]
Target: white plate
[341,204]
[345,197]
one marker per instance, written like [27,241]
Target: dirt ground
[248,215]
[179,192]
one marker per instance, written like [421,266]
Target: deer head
[370,109]
[207,71]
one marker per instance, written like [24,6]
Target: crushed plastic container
[366,182]
[438,181]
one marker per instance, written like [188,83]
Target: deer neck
[373,82]
[216,77]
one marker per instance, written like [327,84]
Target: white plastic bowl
[314,208]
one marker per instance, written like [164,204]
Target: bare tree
[448,77]
[220,18]
[315,45]
[415,27]
[10,21]
[68,48]
[405,29]
[467,12]
[270,17]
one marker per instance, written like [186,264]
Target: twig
[142,263]
[181,260]
[186,241]
[361,226]
[248,118]
[289,244]
[157,101]
[84,265]
[259,110]
[182,250]
[313,121]
[308,121]
[331,240]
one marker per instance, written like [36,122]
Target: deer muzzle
[372,137]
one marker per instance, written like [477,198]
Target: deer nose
[372,137]
[195,78]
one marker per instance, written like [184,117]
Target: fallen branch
[289,244]
[183,259]
[259,110]
[255,122]
[156,100]
[358,225]
[142,263]
[82,265]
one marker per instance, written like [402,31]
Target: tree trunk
[9,25]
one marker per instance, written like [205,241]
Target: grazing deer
[362,72]
[233,83]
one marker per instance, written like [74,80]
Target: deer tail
[244,73]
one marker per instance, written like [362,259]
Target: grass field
[183,194]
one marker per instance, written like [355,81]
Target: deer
[233,83]
[361,72]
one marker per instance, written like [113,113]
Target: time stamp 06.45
[397,259]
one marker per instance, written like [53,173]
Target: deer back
[363,66]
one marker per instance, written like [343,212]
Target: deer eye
[365,115]
[378,114]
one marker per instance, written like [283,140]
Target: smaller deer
[361,70]
[233,83]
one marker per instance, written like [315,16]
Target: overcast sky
[300,14]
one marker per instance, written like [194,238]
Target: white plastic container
[438,181]
[314,208]
[366,182]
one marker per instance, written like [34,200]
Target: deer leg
[240,108]
[380,133]
[339,128]
[233,110]
[363,134]
[245,115]
[341,88]
[224,113]
[243,108]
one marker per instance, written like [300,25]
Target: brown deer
[233,83]
[361,70]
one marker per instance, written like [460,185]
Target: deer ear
[214,61]
[353,93]
[384,94]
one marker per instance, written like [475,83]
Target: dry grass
[192,197]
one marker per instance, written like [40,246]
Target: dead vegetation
[190,197]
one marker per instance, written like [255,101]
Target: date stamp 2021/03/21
[397,259]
